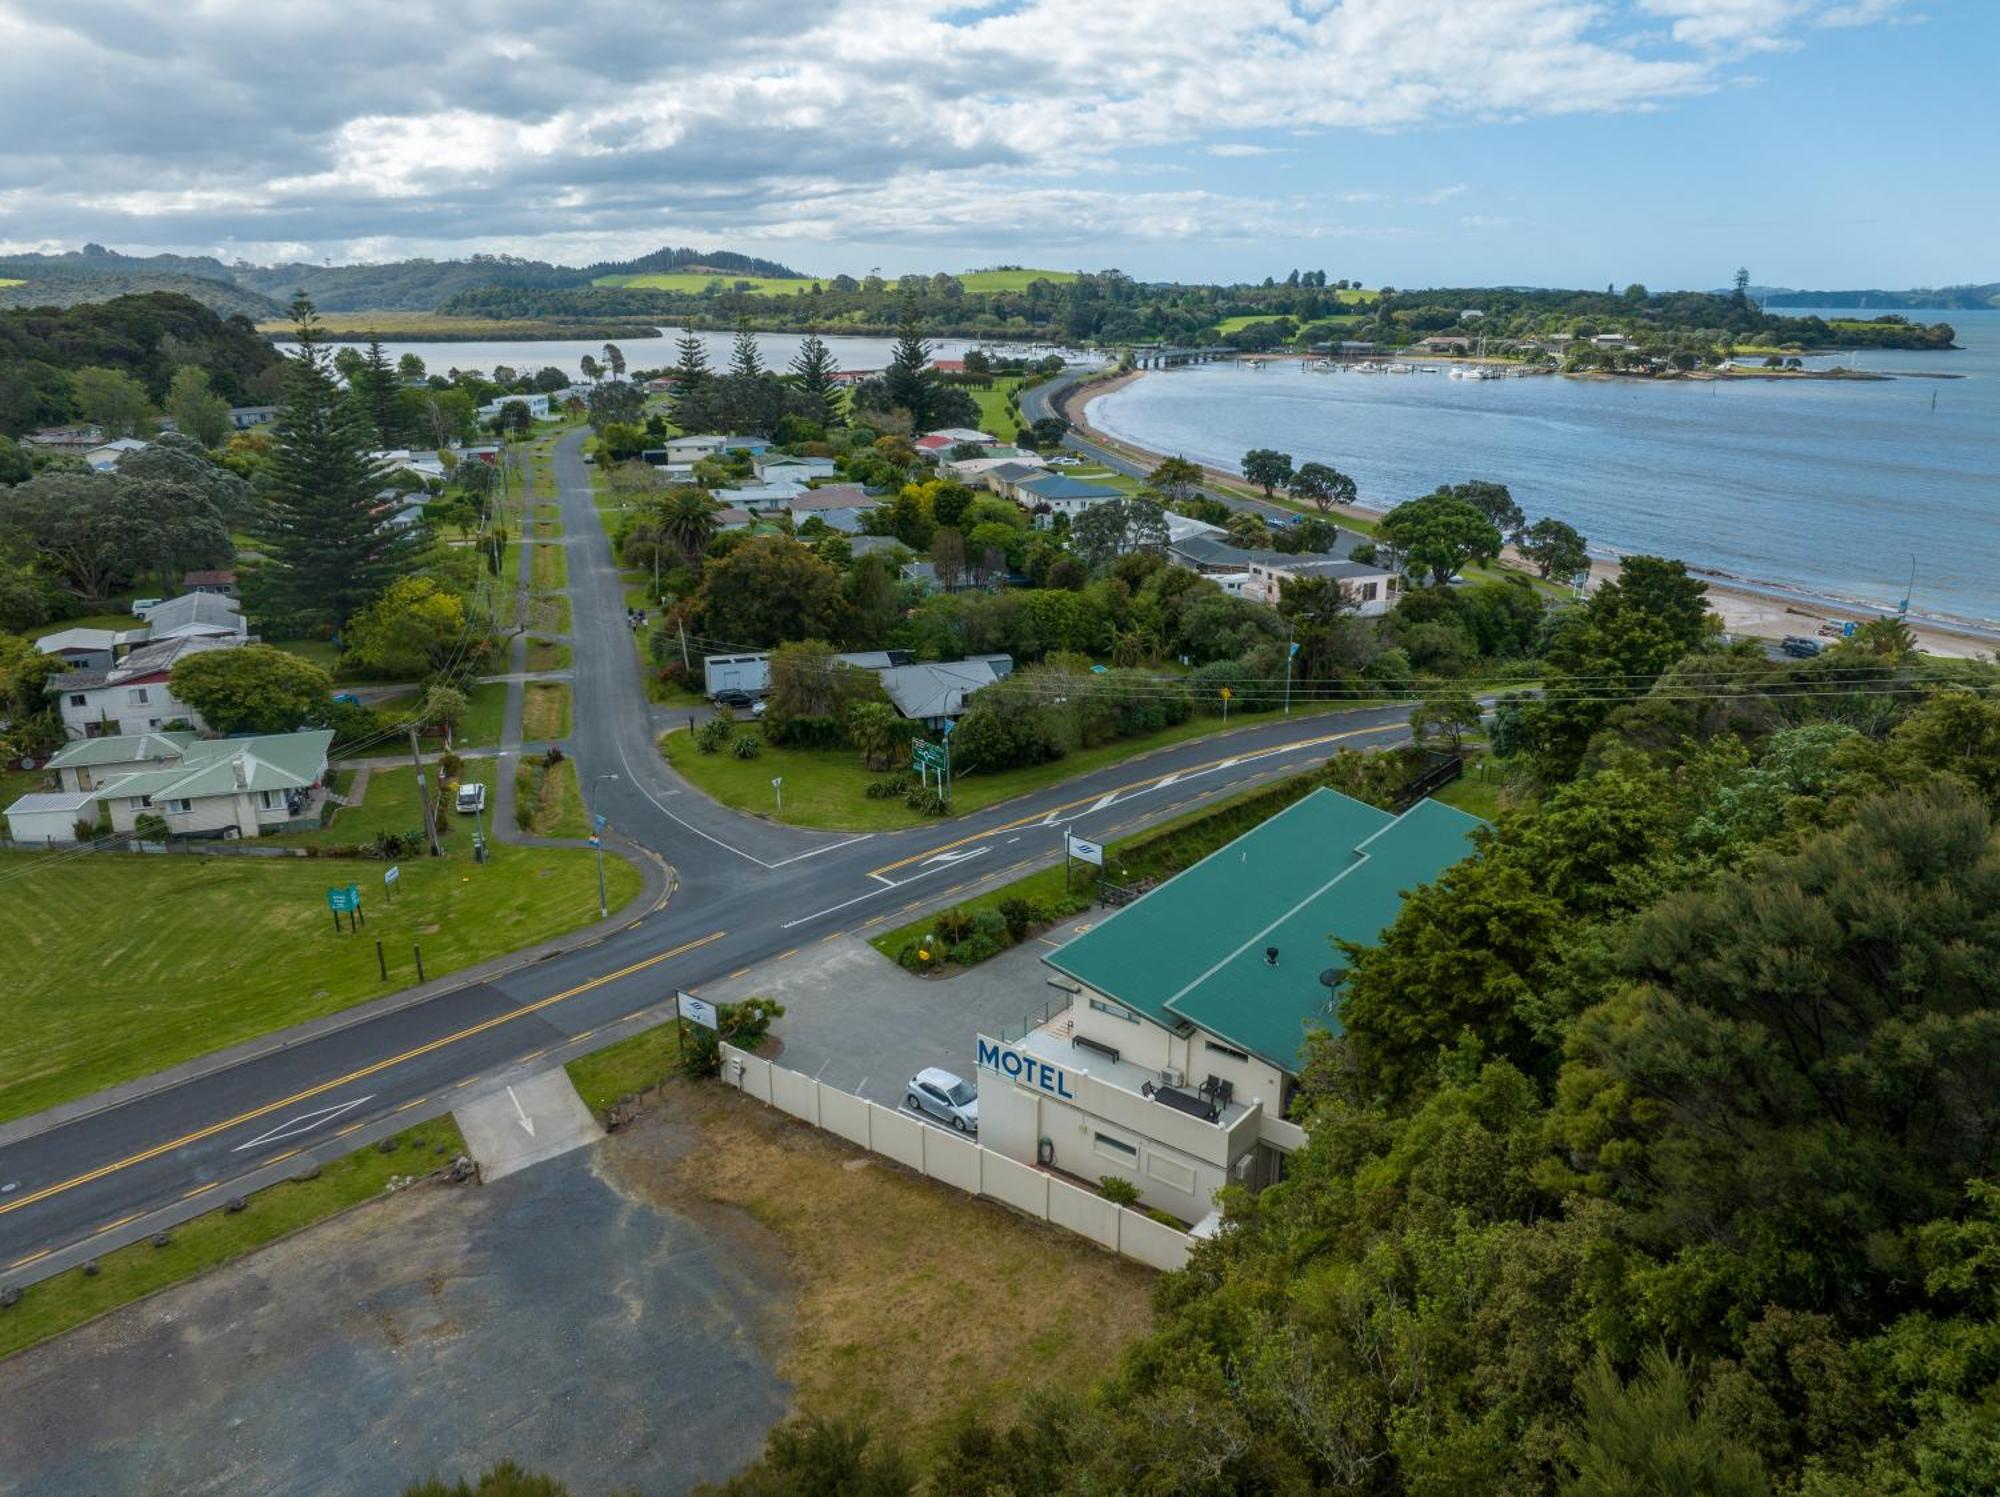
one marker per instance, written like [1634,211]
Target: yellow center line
[351,1127]
[114,1226]
[31,1258]
[413,1102]
[785,956]
[279,1158]
[188,1195]
[323,1087]
[1136,785]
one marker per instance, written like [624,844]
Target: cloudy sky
[1819,142]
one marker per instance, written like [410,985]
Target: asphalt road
[749,892]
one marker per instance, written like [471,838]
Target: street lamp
[1291,649]
[597,824]
[778,786]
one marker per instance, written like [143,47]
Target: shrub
[148,826]
[748,746]
[989,924]
[893,788]
[1020,916]
[450,767]
[86,831]
[952,925]
[713,734]
[925,800]
[805,732]
[1119,1192]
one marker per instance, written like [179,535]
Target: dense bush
[746,746]
[713,734]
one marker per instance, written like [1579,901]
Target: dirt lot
[632,1316]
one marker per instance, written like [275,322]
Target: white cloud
[617,124]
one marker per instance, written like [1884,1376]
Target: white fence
[957,1161]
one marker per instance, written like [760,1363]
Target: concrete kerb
[660,882]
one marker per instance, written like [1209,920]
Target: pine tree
[328,552]
[909,380]
[691,379]
[745,362]
[376,386]
[813,373]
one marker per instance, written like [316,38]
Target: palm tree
[688,518]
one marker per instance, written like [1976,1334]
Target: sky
[1819,143]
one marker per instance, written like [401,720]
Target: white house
[710,444]
[227,787]
[90,763]
[90,649]
[105,458]
[1062,494]
[133,695]
[1374,589]
[44,817]
[537,404]
[777,467]
[1177,1059]
[198,615]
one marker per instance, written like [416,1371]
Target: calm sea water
[776,349]
[1823,489]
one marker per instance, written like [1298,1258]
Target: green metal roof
[1328,866]
[125,748]
[275,761]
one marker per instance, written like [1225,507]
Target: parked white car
[948,1098]
[471,798]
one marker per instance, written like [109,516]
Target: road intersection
[749,891]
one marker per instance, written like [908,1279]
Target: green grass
[550,615]
[202,953]
[630,1066]
[1230,325]
[323,653]
[1012,280]
[15,783]
[390,804]
[545,711]
[551,570]
[994,416]
[89,621]
[69,1299]
[1043,887]
[485,716]
[10,281]
[695,282]
[549,796]
[548,655]
[827,787]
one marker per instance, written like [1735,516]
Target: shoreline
[1766,611]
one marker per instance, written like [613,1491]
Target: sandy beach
[1743,610]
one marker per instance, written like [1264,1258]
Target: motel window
[1228,1050]
[1116,1148]
[1116,1010]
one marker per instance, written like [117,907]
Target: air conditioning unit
[1171,1075]
[1241,1169]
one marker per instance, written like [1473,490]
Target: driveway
[559,1316]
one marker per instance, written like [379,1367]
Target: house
[1611,340]
[49,817]
[1062,494]
[778,467]
[72,439]
[427,464]
[89,763]
[90,649]
[673,472]
[948,366]
[832,496]
[733,517]
[694,449]
[537,404]
[1006,474]
[1179,1055]
[953,436]
[228,787]
[1445,345]
[401,510]
[758,496]
[1374,589]
[243,417]
[935,693]
[855,376]
[875,545]
[197,615]
[222,583]
[104,458]
[1186,528]
[752,673]
[132,695]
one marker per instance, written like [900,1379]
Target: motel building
[1176,1061]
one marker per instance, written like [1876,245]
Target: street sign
[390,875]
[1089,852]
[344,901]
[1227,693]
[698,1011]
[925,755]
[598,822]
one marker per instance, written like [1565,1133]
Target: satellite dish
[1330,977]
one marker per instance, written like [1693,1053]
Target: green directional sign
[344,901]
[925,755]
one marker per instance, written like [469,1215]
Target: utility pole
[1291,649]
[684,647]
[424,793]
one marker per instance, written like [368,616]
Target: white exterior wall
[208,813]
[1147,1044]
[1265,583]
[104,705]
[46,826]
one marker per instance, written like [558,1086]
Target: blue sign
[1014,1065]
[344,901]
[599,822]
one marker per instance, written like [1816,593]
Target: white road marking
[521,1112]
[305,1122]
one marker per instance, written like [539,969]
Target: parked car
[1065,461]
[1799,645]
[729,696]
[142,606]
[948,1098]
[757,709]
[471,798]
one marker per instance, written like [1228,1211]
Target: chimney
[242,779]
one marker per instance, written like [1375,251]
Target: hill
[1012,278]
[1942,298]
[96,274]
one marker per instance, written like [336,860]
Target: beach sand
[1743,611]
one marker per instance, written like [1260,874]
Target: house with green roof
[226,787]
[1177,1058]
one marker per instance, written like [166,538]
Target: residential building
[199,615]
[221,582]
[1178,1057]
[935,693]
[694,449]
[537,404]
[428,464]
[77,439]
[131,696]
[1005,475]
[48,818]
[1374,589]
[779,467]
[673,472]
[953,436]
[1062,495]
[104,457]
[733,517]
[91,763]
[1444,344]
[762,496]
[228,787]
[243,417]
[875,545]
[90,649]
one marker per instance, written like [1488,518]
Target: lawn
[390,804]
[203,953]
[880,1253]
[323,653]
[695,282]
[545,711]
[89,621]
[551,570]
[69,1299]
[548,655]
[1012,280]
[827,787]
[1230,325]
[630,1066]
[549,615]
[10,281]
[546,802]
[994,416]
[485,716]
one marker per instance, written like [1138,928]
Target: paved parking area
[557,1316]
[857,1021]
[528,1120]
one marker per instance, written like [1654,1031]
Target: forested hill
[147,337]
[95,274]
[1940,298]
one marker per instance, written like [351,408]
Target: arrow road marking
[955,857]
[305,1122]
[521,1112]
